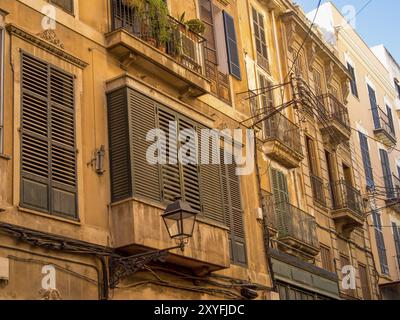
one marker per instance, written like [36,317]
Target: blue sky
[378,23]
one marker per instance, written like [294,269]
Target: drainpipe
[266,234]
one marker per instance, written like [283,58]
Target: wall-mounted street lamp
[179,219]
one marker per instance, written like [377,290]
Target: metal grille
[347,197]
[333,109]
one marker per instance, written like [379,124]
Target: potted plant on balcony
[154,15]
[196,26]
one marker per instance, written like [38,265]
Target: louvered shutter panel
[261,43]
[232,46]
[190,171]
[142,119]
[118,132]
[366,161]
[387,174]
[170,173]
[281,196]
[63,150]
[374,107]
[35,144]
[391,123]
[396,235]
[233,212]
[211,185]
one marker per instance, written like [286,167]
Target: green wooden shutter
[119,146]
[366,161]
[391,122]
[170,173]
[142,119]
[232,46]
[48,152]
[63,149]
[211,185]
[190,171]
[374,107]
[281,197]
[233,213]
[35,154]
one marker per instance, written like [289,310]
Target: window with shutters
[326,258]
[366,291]
[387,174]
[299,67]
[374,107]
[366,161]
[66,5]
[1,90]
[131,115]
[232,46]
[233,212]
[353,81]
[260,39]
[380,242]
[48,151]
[397,86]
[317,83]
[390,121]
[396,235]
[345,261]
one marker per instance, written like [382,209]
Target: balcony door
[281,198]
[331,175]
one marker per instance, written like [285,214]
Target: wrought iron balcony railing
[317,185]
[185,46]
[383,122]
[347,197]
[333,109]
[297,224]
[281,128]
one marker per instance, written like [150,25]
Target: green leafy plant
[157,12]
[196,26]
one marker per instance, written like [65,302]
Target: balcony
[318,190]
[137,227]
[336,116]
[348,211]
[297,231]
[384,129]
[282,141]
[393,196]
[179,60]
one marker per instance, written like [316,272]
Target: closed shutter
[118,133]
[189,168]
[232,46]
[170,173]
[353,81]
[317,83]
[142,119]
[233,212]
[380,243]
[374,107]
[387,174]
[391,123]
[312,158]
[367,161]
[48,152]
[396,235]
[281,198]
[211,184]
[326,259]
[364,282]
[261,43]
[67,5]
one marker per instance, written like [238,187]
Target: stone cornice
[46,45]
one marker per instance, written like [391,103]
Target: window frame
[72,12]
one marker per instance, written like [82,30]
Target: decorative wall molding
[45,45]
[51,36]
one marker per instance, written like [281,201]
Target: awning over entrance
[295,272]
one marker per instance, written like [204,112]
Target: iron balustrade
[382,121]
[297,224]
[347,197]
[185,46]
[333,109]
[317,185]
[278,127]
